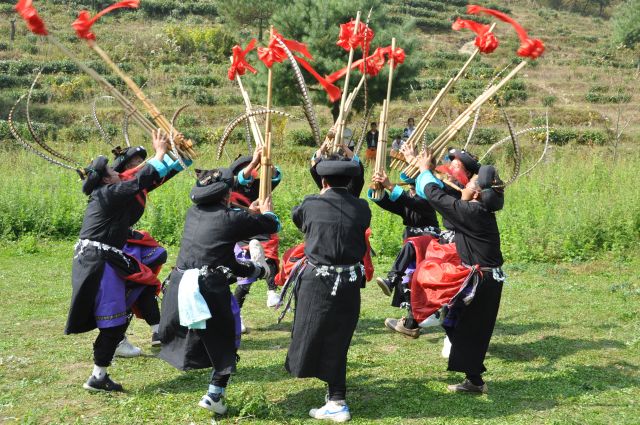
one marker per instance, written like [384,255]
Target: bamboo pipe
[128,106]
[184,145]
[342,118]
[450,132]
[434,107]
[265,161]
[381,154]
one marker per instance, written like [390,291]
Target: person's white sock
[99,371]
[214,389]
[154,328]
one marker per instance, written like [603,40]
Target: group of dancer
[115,268]
[448,275]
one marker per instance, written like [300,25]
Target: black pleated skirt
[472,334]
[323,326]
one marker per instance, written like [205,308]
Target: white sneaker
[127,349]
[332,411]
[257,256]
[243,328]
[430,322]
[273,298]
[446,348]
[213,403]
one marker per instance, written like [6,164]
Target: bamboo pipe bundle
[424,122]
[381,151]
[439,144]
[184,146]
[342,117]
[381,154]
[397,161]
[129,108]
[265,162]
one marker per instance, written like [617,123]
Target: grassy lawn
[566,350]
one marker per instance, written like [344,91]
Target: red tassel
[531,48]
[486,41]
[240,65]
[349,38]
[398,55]
[30,15]
[83,24]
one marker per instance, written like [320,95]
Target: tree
[317,24]
[626,24]
[249,12]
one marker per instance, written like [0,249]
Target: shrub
[215,41]
[301,138]
[549,101]
[486,136]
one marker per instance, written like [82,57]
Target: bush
[301,138]
[486,136]
[215,42]
[549,101]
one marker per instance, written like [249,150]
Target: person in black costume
[106,281]
[246,188]
[125,163]
[419,219]
[327,292]
[472,313]
[200,324]
[461,166]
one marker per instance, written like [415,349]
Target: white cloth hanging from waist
[192,307]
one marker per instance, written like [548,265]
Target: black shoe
[467,387]
[155,340]
[104,384]
[385,285]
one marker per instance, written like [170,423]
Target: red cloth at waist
[438,276]
[296,253]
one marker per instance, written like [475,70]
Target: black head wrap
[122,156]
[240,164]
[336,165]
[492,188]
[94,174]
[211,186]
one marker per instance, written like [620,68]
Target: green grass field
[565,351]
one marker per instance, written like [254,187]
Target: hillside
[178,50]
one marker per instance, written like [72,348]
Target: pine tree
[317,24]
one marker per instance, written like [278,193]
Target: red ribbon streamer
[531,48]
[349,38]
[486,41]
[275,53]
[83,24]
[240,65]
[375,62]
[30,15]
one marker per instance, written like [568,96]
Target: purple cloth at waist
[116,295]
[243,256]
[408,273]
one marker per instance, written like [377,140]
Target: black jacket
[211,232]
[477,236]
[334,225]
[112,208]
